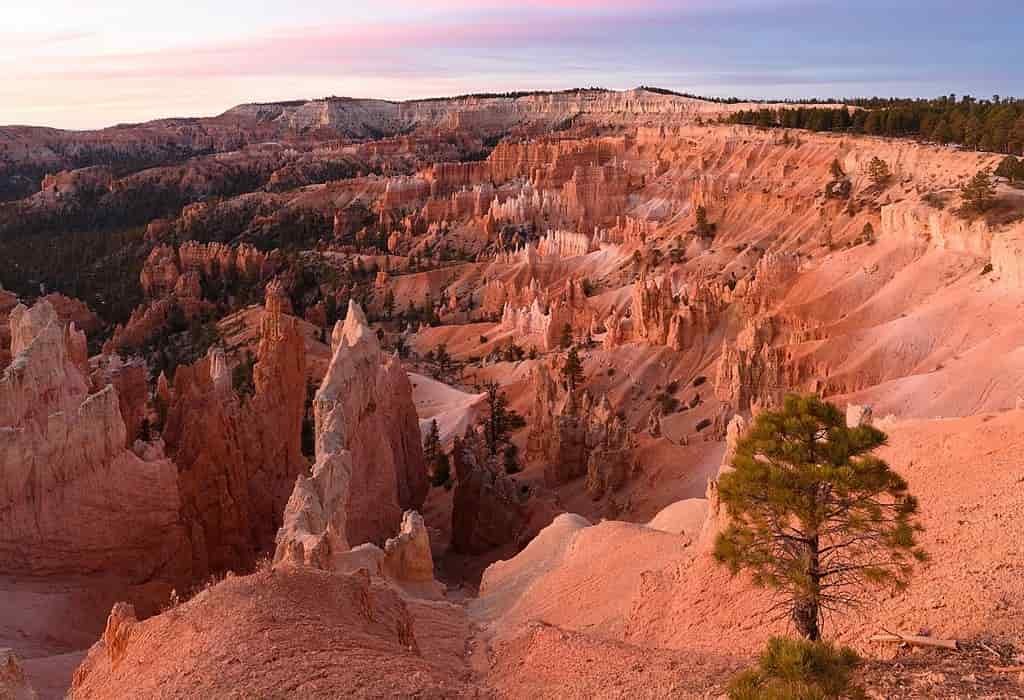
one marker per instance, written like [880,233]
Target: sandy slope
[451,408]
[626,587]
[298,633]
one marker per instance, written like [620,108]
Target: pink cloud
[395,48]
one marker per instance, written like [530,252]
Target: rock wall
[578,437]
[238,456]
[73,499]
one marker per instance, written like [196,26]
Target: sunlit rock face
[369,461]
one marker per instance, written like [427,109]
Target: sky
[91,63]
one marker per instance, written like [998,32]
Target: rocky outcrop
[611,461]
[680,320]
[73,499]
[578,437]
[8,302]
[369,460]
[716,519]
[540,439]
[751,371]
[130,379]
[533,322]
[239,454]
[14,685]
[335,635]
[407,555]
[490,508]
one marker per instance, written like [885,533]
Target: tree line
[995,125]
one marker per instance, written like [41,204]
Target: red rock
[369,460]
[73,500]
[238,456]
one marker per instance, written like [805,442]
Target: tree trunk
[807,607]
[805,617]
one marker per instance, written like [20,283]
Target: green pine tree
[814,513]
[572,370]
[500,420]
[979,194]
[795,669]
[1010,168]
[565,339]
[878,171]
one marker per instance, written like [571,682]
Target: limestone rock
[129,377]
[407,556]
[580,437]
[73,499]
[716,518]
[678,319]
[14,685]
[369,460]
[750,370]
[239,457]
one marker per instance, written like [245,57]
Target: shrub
[1011,168]
[669,404]
[795,669]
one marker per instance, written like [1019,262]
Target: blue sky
[77,64]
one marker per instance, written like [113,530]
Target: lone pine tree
[979,194]
[814,514]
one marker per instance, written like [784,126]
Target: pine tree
[500,420]
[565,339]
[511,459]
[442,472]
[814,513]
[389,304]
[867,233]
[242,379]
[703,228]
[836,170]
[432,443]
[437,461]
[572,370]
[878,171]
[942,133]
[443,360]
[979,194]
[1010,168]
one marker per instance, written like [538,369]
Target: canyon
[227,484]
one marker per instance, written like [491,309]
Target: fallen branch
[1008,669]
[990,650]
[915,640]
